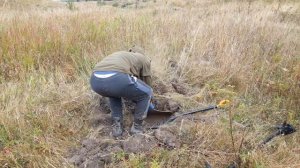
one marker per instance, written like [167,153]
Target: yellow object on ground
[223,103]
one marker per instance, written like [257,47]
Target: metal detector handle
[222,104]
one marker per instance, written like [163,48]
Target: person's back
[126,62]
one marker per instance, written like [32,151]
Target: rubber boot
[137,127]
[117,127]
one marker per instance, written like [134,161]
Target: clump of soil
[159,87]
[95,153]
[139,143]
[180,87]
[165,104]
[167,138]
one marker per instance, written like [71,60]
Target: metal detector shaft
[172,118]
[199,110]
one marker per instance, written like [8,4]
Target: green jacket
[131,63]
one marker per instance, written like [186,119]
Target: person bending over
[125,74]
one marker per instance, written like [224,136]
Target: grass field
[245,51]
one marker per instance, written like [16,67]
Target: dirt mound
[167,138]
[100,152]
[165,104]
[94,153]
[161,87]
[99,148]
[139,143]
[180,87]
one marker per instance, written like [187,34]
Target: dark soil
[99,148]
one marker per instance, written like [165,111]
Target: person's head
[137,49]
[140,50]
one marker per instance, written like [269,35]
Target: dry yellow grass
[21,4]
[247,51]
